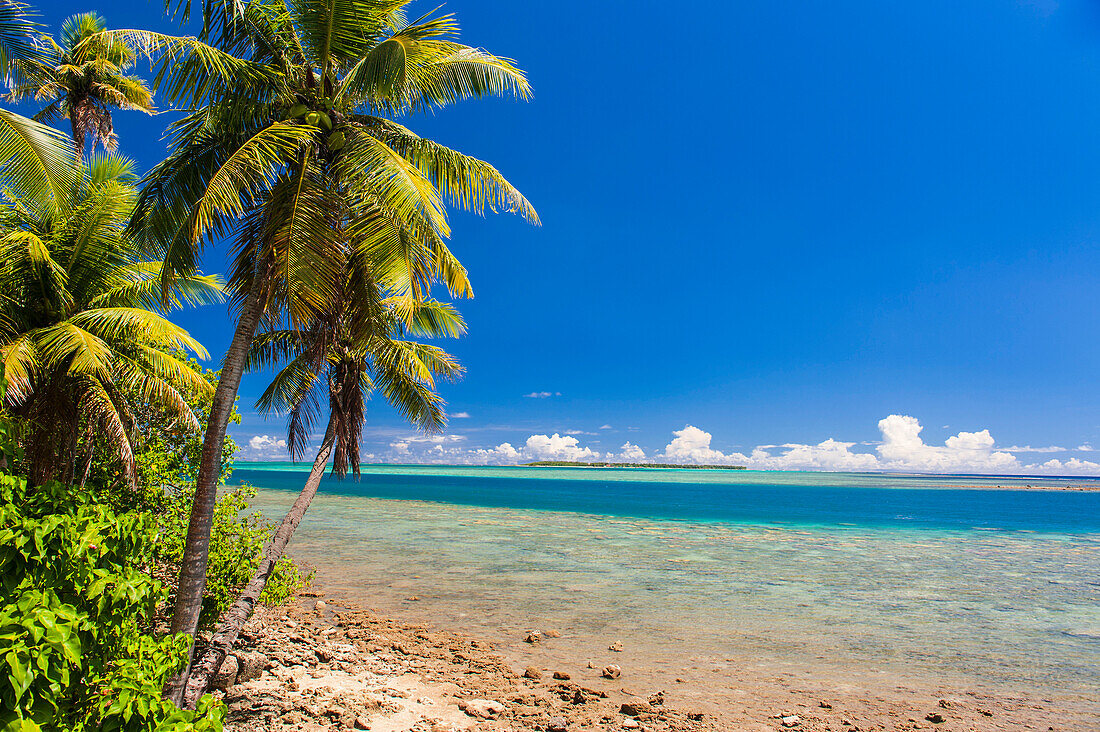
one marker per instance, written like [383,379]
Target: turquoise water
[924,579]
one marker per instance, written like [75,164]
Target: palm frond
[36,161]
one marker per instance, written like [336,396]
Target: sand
[334,665]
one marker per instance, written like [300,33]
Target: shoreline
[331,663]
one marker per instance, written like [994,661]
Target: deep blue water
[812,499]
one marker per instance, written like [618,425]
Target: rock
[985,712]
[293,717]
[935,718]
[532,673]
[611,672]
[557,724]
[561,676]
[361,722]
[323,654]
[634,708]
[250,664]
[791,720]
[227,674]
[657,699]
[945,704]
[533,637]
[591,665]
[551,634]
[617,646]
[696,716]
[629,723]
[320,606]
[481,708]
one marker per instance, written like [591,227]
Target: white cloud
[901,449]
[1085,448]
[541,394]
[264,447]
[1067,467]
[692,445]
[1029,448]
[630,453]
[606,427]
[556,447]
[578,432]
[460,415]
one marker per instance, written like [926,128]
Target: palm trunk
[192,580]
[207,666]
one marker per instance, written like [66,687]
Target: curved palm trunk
[207,666]
[192,580]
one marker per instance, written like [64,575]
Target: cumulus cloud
[557,447]
[901,449]
[541,394]
[692,445]
[264,447]
[630,453]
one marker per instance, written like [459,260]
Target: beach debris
[611,672]
[227,674]
[532,673]
[617,647]
[561,676]
[634,708]
[629,723]
[791,720]
[481,708]
[534,637]
[557,724]
[935,718]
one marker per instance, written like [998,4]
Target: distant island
[570,464]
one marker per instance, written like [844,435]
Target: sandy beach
[326,662]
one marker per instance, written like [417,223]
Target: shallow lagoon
[908,577]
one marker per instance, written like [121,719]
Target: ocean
[966,582]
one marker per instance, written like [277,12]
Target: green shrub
[77,604]
[237,539]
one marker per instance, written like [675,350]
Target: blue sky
[776,223]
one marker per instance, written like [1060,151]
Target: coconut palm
[82,79]
[341,359]
[36,161]
[294,153]
[79,336]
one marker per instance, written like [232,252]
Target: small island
[571,464]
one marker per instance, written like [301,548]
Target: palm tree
[79,337]
[82,79]
[344,358]
[293,151]
[36,161]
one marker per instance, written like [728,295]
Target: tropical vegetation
[82,79]
[114,455]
